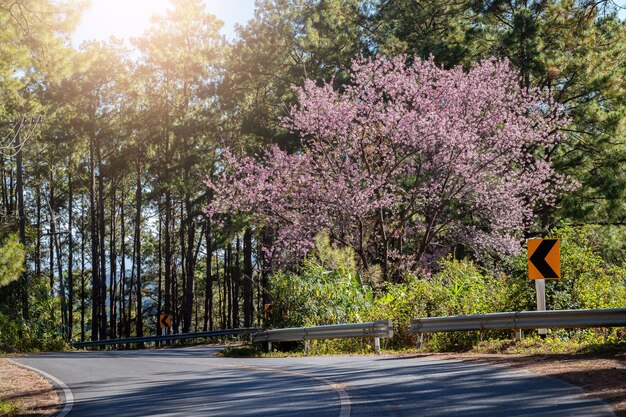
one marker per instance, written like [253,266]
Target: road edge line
[345,404]
[67,392]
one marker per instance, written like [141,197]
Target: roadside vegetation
[339,160]
[326,289]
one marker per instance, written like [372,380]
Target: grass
[553,345]
[7,409]
[557,342]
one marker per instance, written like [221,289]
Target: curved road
[192,382]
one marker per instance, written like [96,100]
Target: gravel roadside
[26,393]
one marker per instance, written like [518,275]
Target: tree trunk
[95,267]
[57,244]
[266,267]
[189,266]
[221,288]
[112,267]
[159,331]
[131,288]
[208,291]
[168,253]
[54,241]
[168,225]
[228,281]
[102,231]
[122,291]
[139,317]
[38,244]
[236,283]
[83,293]
[51,239]
[248,312]
[70,262]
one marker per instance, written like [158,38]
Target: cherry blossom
[404,164]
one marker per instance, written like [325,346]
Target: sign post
[543,263]
[540,288]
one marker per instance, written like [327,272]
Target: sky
[130,18]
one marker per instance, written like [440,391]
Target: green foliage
[325,290]
[587,280]
[574,49]
[557,342]
[461,287]
[42,331]
[8,409]
[287,42]
[11,260]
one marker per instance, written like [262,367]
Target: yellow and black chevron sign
[544,259]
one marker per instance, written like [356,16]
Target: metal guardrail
[375,329]
[564,319]
[166,338]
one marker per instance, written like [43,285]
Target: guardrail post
[420,340]
[269,346]
[307,347]
[377,344]
[517,334]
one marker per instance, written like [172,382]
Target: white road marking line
[67,392]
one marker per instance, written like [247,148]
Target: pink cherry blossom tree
[403,164]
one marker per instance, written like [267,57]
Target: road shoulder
[599,377]
[26,393]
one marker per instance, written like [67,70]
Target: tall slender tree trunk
[95,255]
[122,309]
[62,290]
[168,226]
[176,304]
[221,289]
[83,292]
[70,244]
[266,266]
[38,244]
[189,260]
[138,197]
[196,313]
[208,292]
[247,279]
[228,270]
[56,245]
[130,289]
[168,253]
[51,238]
[101,245]
[183,267]
[159,331]
[113,265]
[21,221]
[236,283]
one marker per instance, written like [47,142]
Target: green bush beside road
[327,289]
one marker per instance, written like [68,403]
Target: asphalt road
[191,382]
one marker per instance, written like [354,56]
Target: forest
[340,160]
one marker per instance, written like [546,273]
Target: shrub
[42,331]
[326,289]
[461,287]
